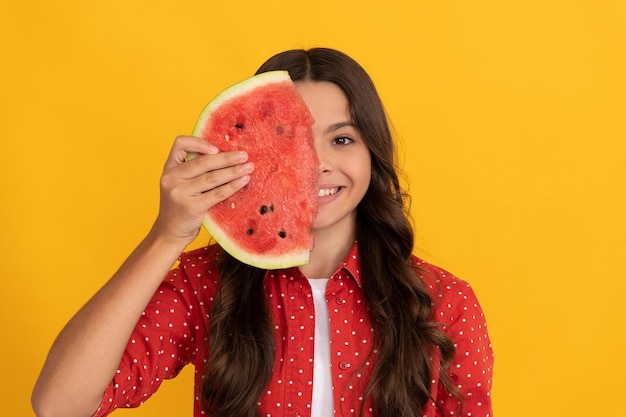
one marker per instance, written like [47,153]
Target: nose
[324,167]
[325,163]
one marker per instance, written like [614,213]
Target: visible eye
[342,140]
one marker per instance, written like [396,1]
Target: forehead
[325,100]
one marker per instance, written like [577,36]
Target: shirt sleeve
[471,369]
[162,343]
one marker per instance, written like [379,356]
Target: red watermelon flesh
[268,223]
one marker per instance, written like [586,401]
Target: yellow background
[510,115]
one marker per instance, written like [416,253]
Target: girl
[365,329]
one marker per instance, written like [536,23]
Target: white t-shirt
[322,403]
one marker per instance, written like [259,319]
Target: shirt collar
[350,264]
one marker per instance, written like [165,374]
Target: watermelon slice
[268,223]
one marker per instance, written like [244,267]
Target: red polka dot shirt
[171,334]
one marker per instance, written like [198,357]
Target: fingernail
[241,156]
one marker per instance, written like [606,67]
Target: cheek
[361,172]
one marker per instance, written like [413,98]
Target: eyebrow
[339,125]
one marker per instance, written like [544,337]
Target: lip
[328,193]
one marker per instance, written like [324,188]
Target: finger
[184,145]
[210,171]
[221,193]
[205,164]
[215,179]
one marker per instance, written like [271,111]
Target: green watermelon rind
[219,234]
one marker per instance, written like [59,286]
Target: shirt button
[340,300]
[344,365]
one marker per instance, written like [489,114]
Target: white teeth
[327,191]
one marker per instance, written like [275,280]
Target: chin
[344,224]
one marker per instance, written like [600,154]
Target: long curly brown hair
[241,354]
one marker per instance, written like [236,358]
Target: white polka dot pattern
[171,334]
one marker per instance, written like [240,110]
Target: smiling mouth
[325,192]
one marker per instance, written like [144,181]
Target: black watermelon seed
[279,130]
[250,231]
[282,234]
[263,210]
[239,126]
[271,207]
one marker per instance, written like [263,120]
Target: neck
[331,247]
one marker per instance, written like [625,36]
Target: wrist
[166,243]
[162,233]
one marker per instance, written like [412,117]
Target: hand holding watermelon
[190,188]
